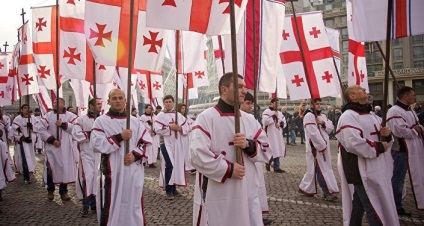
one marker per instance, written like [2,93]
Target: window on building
[329,7]
[397,65]
[419,64]
[345,46]
[418,86]
[395,88]
[345,33]
[418,51]
[397,41]
[345,58]
[398,54]
[376,90]
[70,103]
[417,39]
[344,20]
[375,67]
[329,23]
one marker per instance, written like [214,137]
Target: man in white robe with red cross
[226,193]
[365,163]
[148,118]
[121,194]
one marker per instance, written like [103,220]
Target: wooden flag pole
[16,74]
[386,61]
[130,66]
[338,76]
[27,96]
[177,45]
[235,77]
[304,64]
[255,81]
[387,66]
[57,67]
[221,50]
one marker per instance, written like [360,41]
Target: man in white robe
[23,132]
[148,119]
[89,160]
[365,163]
[60,159]
[318,155]
[273,123]
[226,193]
[6,172]
[407,150]
[172,148]
[39,144]
[4,126]
[121,194]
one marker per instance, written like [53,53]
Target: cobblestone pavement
[27,204]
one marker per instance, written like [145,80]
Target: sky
[11,20]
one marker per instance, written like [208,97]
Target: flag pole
[387,62]
[235,76]
[304,64]
[27,96]
[221,50]
[130,66]
[255,82]
[387,66]
[57,67]
[338,76]
[177,45]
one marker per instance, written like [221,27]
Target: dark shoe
[1,198]
[330,198]
[169,196]
[177,194]
[152,165]
[302,143]
[267,167]
[279,171]
[27,182]
[84,211]
[65,197]
[306,194]
[93,208]
[266,221]
[50,195]
[402,212]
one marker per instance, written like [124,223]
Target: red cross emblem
[43,72]
[376,132]
[297,80]
[2,94]
[102,67]
[40,24]
[169,2]
[199,74]
[327,76]
[157,86]
[26,79]
[100,35]
[152,42]
[285,35]
[25,39]
[357,49]
[315,32]
[71,2]
[72,56]
[1,65]
[142,85]
[227,10]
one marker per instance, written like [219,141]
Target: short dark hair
[249,97]
[179,106]
[158,107]
[133,109]
[167,97]
[403,91]
[24,105]
[69,107]
[273,100]
[226,80]
[92,102]
[37,110]
[147,105]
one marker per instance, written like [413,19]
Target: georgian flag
[4,71]
[43,99]
[210,17]
[27,71]
[334,40]
[219,54]
[369,19]
[107,32]
[12,83]
[357,64]
[182,89]
[269,22]
[44,44]
[318,58]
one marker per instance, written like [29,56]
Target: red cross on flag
[27,71]
[12,85]
[219,54]
[182,88]
[334,40]
[107,32]
[357,65]
[318,58]
[43,99]
[44,44]
[82,93]
[269,22]
[150,85]
[121,80]
[3,79]
[369,19]
[210,17]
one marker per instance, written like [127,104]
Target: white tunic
[61,160]
[122,187]
[174,145]
[186,146]
[89,160]
[5,127]
[39,144]
[6,171]
[151,156]
[401,123]
[275,135]
[228,201]
[356,132]
[318,136]
[19,128]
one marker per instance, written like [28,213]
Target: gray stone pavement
[27,204]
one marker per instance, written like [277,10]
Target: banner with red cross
[11,92]
[150,85]
[107,32]
[219,54]
[43,99]
[27,71]
[82,93]
[3,79]
[318,55]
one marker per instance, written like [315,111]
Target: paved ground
[27,204]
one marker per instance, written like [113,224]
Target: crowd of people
[106,161]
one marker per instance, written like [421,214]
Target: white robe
[228,201]
[6,171]
[319,137]
[61,160]
[28,148]
[186,146]
[174,146]
[151,156]
[39,144]
[275,135]
[355,132]
[89,160]
[5,127]
[122,186]
[401,124]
